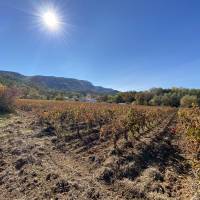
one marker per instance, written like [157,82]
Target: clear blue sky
[123,44]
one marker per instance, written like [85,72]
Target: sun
[51,20]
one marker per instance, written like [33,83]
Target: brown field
[72,150]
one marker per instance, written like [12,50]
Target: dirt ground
[35,164]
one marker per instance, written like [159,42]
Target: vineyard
[189,125]
[111,121]
[75,150]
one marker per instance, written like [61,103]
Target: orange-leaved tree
[7,98]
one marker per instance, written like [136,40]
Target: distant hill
[51,83]
[68,84]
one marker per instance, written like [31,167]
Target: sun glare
[51,20]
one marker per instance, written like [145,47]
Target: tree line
[174,97]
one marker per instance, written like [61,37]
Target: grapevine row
[113,121]
[189,123]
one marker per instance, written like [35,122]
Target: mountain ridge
[52,83]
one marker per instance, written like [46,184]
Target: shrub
[7,99]
[188,101]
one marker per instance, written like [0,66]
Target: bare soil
[36,164]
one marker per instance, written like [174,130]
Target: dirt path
[35,165]
[33,168]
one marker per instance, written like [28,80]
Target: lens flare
[51,20]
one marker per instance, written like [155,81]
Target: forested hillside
[49,87]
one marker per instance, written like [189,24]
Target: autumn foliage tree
[7,99]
